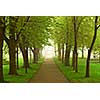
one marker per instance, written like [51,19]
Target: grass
[79,77]
[22,77]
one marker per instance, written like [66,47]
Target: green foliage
[39,29]
[35,33]
[86,32]
[61,29]
[97,43]
[57,28]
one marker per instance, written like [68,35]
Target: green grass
[22,77]
[79,77]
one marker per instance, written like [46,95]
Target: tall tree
[2,31]
[77,21]
[14,27]
[91,47]
[75,44]
[59,51]
[62,52]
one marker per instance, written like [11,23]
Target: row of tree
[24,33]
[73,33]
[69,33]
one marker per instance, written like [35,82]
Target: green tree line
[32,33]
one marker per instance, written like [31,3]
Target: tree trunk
[59,51]
[88,63]
[2,31]
[82,52]
[76,62]
[1,58]
[25,57]
[67,55]
[12,46]
[36,52]
[26,60]
[62,53]
[30,57]
[75,46]
[55,50]
[12,53]
[17,57]
[73,60]
[90,49]
[68,58]
[12,69]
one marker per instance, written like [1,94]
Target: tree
[96,47]
[77,21]
[34,36]
[84,34]
[2,31]
[68,40]
[14,32]
[63,52]
[75,54]
[58,30]
[91,47]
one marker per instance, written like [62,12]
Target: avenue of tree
[32,33]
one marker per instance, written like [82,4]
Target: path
[49,73]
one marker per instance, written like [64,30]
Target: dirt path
[49,73]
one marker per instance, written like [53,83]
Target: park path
[48,73]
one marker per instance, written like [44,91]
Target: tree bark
[12,55]
[12,45]
[90,49]
[1,58]
[25,57]
[36,54]
[62,53]
[2,31]
[67,55]
[17,57]
[82,52]
[59,51]
[26,60]
[55,50]
[75,46]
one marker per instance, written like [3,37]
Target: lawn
[80,76]
[21,77]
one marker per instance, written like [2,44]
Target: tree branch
[17,19]
[32,49]
[6,39]
[22,28]
[98,26]
[80,23]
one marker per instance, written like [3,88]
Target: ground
[49,73]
